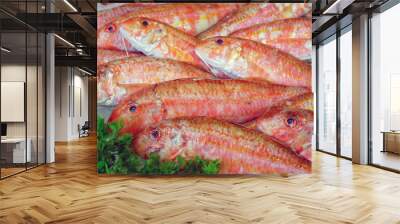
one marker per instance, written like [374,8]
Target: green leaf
[119,166]
[115,127]
[101,166]
[198,161]
[154,156]
[169,167]
[125,140]
[191,167]
[100,127]
[152,164]
[180,161]
[135,164]
[211,167]
[108,171]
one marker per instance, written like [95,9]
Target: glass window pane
[314,84]
[327,97]
[13,85]
[31,97]
[385,89]
[346,94]
[23,84]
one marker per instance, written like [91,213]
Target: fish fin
[221,75]
[218,74]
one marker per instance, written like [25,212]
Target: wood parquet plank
[70,191]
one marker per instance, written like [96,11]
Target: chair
[84,130]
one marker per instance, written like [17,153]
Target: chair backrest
[86,125]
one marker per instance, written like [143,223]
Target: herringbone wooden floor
[70,191]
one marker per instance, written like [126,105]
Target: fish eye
[291,122]
[110,28]
[145,23]
[155,134]
[132,108]
[219,41]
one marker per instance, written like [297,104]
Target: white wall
[12,73]
[71,94]
[81,85]
[16,73]
[61,103]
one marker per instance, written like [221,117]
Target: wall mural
[211,88]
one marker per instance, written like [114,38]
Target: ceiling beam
[49,22]
[86,26]
[338,6]
[320,22]
[83,61]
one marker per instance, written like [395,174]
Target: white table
[18,145]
